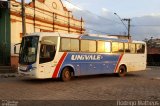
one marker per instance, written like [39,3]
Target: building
[153,52]
[122,36]
[153,46]
[41,16]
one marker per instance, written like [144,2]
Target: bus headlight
[32,69]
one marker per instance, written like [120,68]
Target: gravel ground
[143,85]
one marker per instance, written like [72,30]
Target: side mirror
[17,48]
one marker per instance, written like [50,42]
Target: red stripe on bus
[119,60]
[59,65]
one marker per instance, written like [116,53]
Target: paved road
[144,85]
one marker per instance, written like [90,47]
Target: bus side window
[127,50]
[88,46]
[117,47]
[74,45]
[92,46]
[101,46]
[133,48]
[68,44]
[47,53]
[120,47]
[140,48]
[107,47]
[85,45]
[65,44]
[104,47]
[114,47]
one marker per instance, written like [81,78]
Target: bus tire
[122,71]
[66,74]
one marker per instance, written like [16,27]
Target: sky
[99,15]
[125,8]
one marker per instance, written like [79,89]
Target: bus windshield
[28,50]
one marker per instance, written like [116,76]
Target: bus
[57,55]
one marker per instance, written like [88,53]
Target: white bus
[57,55]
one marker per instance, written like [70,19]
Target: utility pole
[34,19]
[81,25]
[129,25]
[23,17]
[121,20]
[69,21]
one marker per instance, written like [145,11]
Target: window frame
[70,45]
[61,45]
[128,43]
[112,46]
[97,46]
[135,52]
[142,45]
[104,46]
[78,45]
[118,47]
[51,59]
[88,45]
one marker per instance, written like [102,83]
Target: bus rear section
[134,57]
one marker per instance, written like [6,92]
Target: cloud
[155,14]
[141,27]
[105,10]
[107,23]
[146,26]
[70,6]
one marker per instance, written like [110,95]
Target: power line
[85,27]
[121,20]
[77,25]
[96,30]
[96,23]
[114,20]
[106,19]
[145,25]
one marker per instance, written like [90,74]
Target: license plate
[23,67]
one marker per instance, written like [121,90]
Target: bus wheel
[122,71]
[66,74]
